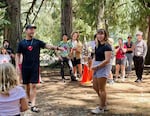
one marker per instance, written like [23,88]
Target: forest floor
[56,98]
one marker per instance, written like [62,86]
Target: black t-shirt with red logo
[30,49]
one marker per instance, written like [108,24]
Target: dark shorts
[75,61]
[30,75]
[121,61]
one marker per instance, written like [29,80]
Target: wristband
[57,48]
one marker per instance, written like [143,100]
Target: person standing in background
[10,51]
[64,57]
[120,59]
[76,53]
[140,51]
[4,56]
[129,54]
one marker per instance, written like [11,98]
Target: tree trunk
[12,32]
[100,18]
[147,61]
[66,17]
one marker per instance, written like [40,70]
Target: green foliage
[123,17]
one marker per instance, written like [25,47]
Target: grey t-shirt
[140,48]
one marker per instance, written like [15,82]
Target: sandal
[29,104]
[35,109]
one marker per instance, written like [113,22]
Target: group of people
[13,98]
[129,52]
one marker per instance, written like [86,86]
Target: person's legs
[140,68]
[27,86]
[117,70]
[127,62]
[34,80]
[62,68]
[80,69]
[33,94]
[123,72]
[136,66]
[130,59]
[70,66]
[95,86]
[102,91]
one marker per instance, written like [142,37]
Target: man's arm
[47,46]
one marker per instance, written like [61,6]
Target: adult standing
[29,48]
[120,59]
[129,54]
[64,57]
[140,51]
[101,67]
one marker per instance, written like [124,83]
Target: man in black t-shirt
[29,48]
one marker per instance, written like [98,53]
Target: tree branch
[38,11]
[29,12]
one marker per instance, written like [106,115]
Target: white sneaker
[97,110]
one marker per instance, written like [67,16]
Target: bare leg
[122,71]
[33,94]
[75,70]
[80,69]
[117,70]
[28,92]
[102,91]
[95,86]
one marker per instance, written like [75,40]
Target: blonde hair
[110,41]
[8,78]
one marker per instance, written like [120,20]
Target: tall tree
[12,32]
[66,17]
[100,17]
[148,43]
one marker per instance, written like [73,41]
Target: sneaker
[29,104]
[138,81]
[110,82]
[123,79]
[73,78]
[97,110]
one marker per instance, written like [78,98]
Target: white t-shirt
[4,58]
[10,105]
[74,44]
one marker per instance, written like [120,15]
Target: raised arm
[47,46]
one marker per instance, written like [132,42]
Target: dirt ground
[56,98]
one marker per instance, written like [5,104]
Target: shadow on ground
[56,98]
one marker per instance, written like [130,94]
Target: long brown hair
[102,31]
[78,35]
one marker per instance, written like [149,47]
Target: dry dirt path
[56,98]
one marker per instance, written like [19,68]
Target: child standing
[12,96]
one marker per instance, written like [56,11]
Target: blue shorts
[102,72]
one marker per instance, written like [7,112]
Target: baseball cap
[30,26]
[139,33]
